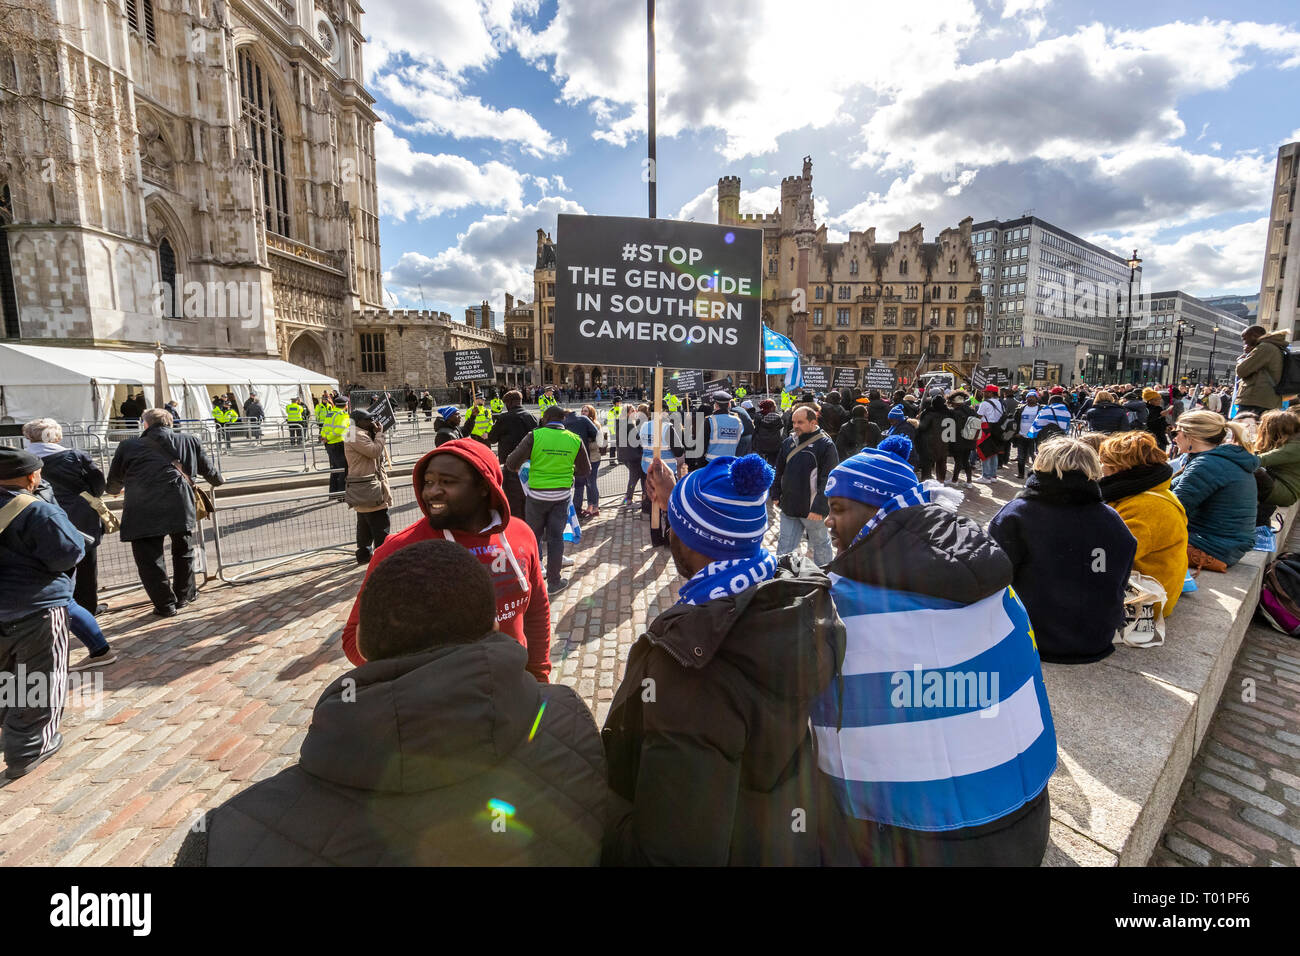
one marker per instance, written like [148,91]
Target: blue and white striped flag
[780,357]
[572,530]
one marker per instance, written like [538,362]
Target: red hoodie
[523,609]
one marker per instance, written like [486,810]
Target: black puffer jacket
[767,434]
[721,760]
[158,500]
[509,430]
[405,773]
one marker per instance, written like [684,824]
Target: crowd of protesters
[783,711]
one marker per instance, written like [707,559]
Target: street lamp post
[1133,263]
[1214,342]
[1178,346]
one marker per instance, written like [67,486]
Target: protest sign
[684,381]
[817,378]
[1040,369]
[880,376]
[647,292]
[979,378]
[846,378]
[469,365]
[381,412]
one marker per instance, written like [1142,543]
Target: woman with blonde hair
[1278,448]
[1070,553]
[1215,480]
[1105,415]
[1135,482]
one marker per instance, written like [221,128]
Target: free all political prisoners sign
[654,291]
[469,365]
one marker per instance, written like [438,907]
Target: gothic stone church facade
[199,173]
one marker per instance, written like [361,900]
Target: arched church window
[167,275]
[266,138]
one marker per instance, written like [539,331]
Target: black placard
[642,292]
[685,381]
[1040,369]
[817,378]
[469,365]
[381,412]
[979,378]
[846,378]
[880,376]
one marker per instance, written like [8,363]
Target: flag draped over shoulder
[780,357]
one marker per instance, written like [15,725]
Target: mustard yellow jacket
[1159,522]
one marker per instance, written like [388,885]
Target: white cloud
[452,34]
[427,184]
[435,99]
[704,207]
[1204,262]
[1096,90]
[1163,187]
[743,67]
[495,255]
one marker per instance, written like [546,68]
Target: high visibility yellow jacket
[482,421]
[294,412]
[335,426]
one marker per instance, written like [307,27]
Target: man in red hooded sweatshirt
[458,487]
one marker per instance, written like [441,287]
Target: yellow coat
[1159,522]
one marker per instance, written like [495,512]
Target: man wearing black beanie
[38,547]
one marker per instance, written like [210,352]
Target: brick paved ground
[202,705]
[1240,803]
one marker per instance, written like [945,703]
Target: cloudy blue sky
[1153,125]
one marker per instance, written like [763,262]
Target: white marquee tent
[81,385]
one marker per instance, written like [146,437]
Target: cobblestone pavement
[202,705]
[1240,803]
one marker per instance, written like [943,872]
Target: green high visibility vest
[615,413]
[741,392]
[786,400]
[545,402]
[321,411]
[497,406]
[335,426]
[554,452]
[482,423]
[673,402]
[294,412]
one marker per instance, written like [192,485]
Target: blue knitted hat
[720,510]
[875,475]
[446,411]
[897,413]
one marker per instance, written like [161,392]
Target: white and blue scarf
[722,578]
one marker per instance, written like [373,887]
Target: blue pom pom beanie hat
[882,478]
[720,510]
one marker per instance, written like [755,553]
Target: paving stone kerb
[1128,727]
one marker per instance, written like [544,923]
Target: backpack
[1279,594]
[1050,430]
[970,428]
[1008,425]
[1289,383]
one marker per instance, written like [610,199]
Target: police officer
[295,412]
[673,402]
[741,392]
[224,418]
[546,399]
[479,420]
[722,429]
[333,429]
[497,406]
